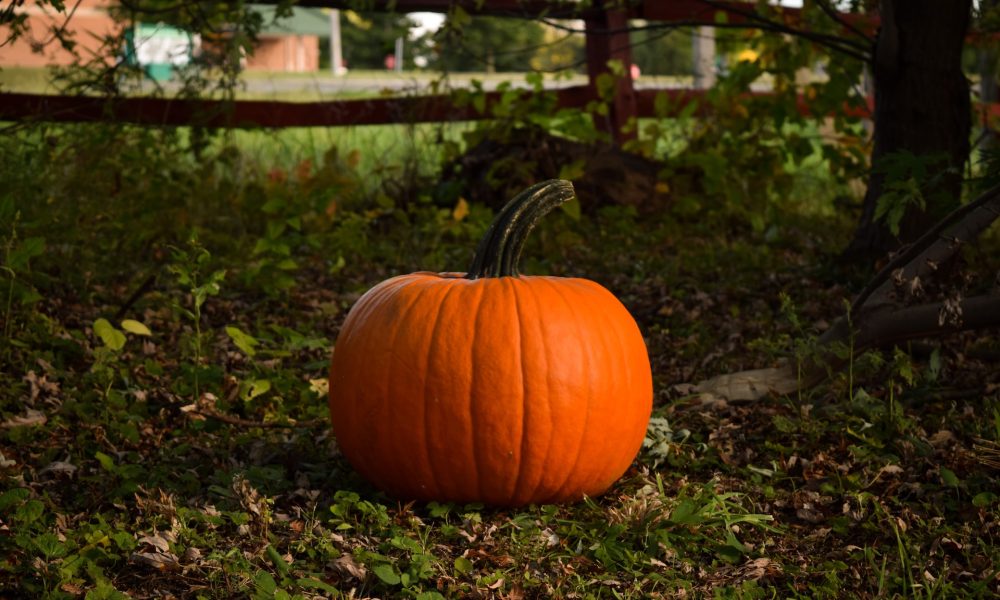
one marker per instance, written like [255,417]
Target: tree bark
[922,106]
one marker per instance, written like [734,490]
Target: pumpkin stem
[500,249]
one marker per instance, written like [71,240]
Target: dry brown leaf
[157,560]
[30,417]
[156,541]
[346,565]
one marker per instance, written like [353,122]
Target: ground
[164,421]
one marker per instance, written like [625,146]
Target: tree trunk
[922,106]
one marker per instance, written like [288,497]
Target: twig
[838,44]
[987,452]
[831,41]
[138,293]
[831,12]
[241,422]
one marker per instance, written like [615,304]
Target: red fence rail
[338,113]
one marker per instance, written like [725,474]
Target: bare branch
[835,15]
[837,44]
[831,41]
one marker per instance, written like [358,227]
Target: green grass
[26,81]
[382,151]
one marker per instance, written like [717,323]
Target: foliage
[663,52]
[467,43]
[907,179]
[368,38]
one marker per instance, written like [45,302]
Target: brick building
[290,45]
[89,24]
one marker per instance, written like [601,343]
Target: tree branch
[852,49]
[883,330]
[831,41]
[836,16]
[875,321]
[934,246]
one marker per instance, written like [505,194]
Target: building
[292,44]
[37,47]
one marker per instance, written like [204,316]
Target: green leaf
[686,513]
[12,497]
[106,461]
[111,337]
[463,565]
[386,573]
[49,545]
[287,265]
[309,582]
[29,512]
[133,326]
[984,499]
[277,560]
[244,341]
[949,478]
[266,586]
[20,255]
[256,388]
[571,209]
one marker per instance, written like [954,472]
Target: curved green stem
[500,249]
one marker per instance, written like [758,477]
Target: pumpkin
[489,386]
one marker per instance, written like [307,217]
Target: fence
[607,38]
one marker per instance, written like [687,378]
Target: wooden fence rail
[271,114]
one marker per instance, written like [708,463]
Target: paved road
[363,83]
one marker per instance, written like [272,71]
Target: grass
[382,151]
[181,447]
[26,80]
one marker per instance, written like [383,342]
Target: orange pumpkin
[491,386]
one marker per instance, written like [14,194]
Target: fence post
[703,46]
[607,38]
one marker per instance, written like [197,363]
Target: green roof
[303,21]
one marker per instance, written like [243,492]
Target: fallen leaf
[58,466]
[941,438]
[157,560]
[346,565]
[30,417]
[155,541]
[192,554]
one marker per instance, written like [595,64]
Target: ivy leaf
[387,574]
[949,478]
[463,565]
[256,388]
[111,337]
[244,341]
[21,254]
[106,461]
[133,326]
